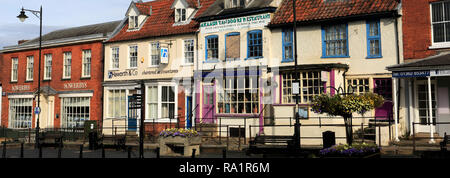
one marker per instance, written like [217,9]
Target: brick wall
[416,29]
[93,83]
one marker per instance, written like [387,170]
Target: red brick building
[71,78]
[418,39]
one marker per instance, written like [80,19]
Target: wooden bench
[113,141]
[445,142]
[51,139]
[271,144]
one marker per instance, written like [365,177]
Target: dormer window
[133,22]
[180,15]
[235,3]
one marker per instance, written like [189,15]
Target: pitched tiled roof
[160,23]
[316,10]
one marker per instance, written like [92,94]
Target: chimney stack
[21,41]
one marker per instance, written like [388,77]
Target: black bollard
[157,152]
[21,150]
[193,153]
[81,151]
[4,150]
[129,151]
[103,151]
[59,151]
[40,151]
[224,153]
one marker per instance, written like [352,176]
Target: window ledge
[113,69]
[187,64]
[160,121]
[374,57]
[335,57]
[232,59]
[86,78]
[211,61]
[286,61]
[65,79]
[439,46]
[250,58]
[28,81]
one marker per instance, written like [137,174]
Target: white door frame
[419,127]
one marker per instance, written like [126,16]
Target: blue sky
[57,14]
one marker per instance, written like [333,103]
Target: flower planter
[179,146]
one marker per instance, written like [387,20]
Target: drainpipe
[194,91]
[397,96]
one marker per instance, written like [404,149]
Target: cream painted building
[156,49]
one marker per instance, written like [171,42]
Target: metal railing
[414,137]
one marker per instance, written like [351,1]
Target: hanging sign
[164,55]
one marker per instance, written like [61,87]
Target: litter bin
[93,140]
[329,139]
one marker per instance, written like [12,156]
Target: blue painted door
[189,112]
[132,114]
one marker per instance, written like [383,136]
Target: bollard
[157,152]
[4,150]
[224,153]
[129,151]
[193,153]
[59,151]
[103,151]
[40,151]
[81,151]
[21,150]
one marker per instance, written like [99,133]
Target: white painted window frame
[160,119]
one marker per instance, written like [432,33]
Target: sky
[56,14]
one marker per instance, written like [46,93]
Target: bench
[273,143]
[113,141]
[51,139]
[445,142]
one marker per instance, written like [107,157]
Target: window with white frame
[117,106]
[310,86]
[152,102]
[168,102]
[67,65]
[87,59]
[133,56]
[20,112]
[48,67]
[14,69]
[133,22]
[115,58]
[155,54]
[235,3]
[75,110]
[238,95]
[161,102]
[30,62]
[440,22]
[358,86]
[189,51]
[180,15]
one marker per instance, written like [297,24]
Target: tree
[345,106]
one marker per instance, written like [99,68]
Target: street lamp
[296,75]
[22,17]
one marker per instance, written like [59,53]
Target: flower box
[179,142]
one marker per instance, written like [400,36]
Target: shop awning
[437,65]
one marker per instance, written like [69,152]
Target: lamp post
[22,17]
[296,75]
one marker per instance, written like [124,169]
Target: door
[383,87]
[208,104]
[133,107]
[188,112]
[422,106]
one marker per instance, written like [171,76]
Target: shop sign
[127,73]
[20,87]
[234,24]
[440,73]
[424,73]
[164,55]
[159,72]
[75,85]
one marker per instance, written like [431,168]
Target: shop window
[20,112]
[117,103]
[310,86]
[238,95]
[358,86]
[75,111]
